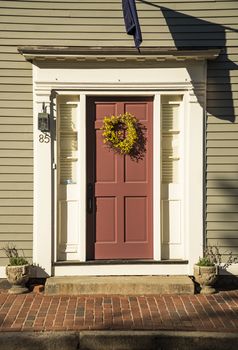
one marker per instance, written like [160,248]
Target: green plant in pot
[207,268]
[205,273]
[17,271]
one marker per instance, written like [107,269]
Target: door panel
[120,225]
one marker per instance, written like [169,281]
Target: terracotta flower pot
[206,276]
[18,277]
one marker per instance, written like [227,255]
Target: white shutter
[68,143]
[170,143]
[172,243]
[67,169]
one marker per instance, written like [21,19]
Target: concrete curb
[118,340]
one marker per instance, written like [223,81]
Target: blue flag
[131,21]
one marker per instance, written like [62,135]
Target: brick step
[119,285]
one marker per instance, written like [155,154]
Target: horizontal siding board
[221,208]
[110,11]
[16,220]
[222,192]
[11,237]
[111,35]
[5,72]
[221,73]
[22,128]
[94,5]
[16,211]
[14,65]
[221,168]
[6,153]
[21,96]
[164,2]
[222,216]
[16,202]
[120,42]
[16,169]
[14,88]
[228,176]
[230,200]
[220,235]
[225,127]
[222,143]
[222,151]
[223,160]
[223,80]
[21,113]
[222,136]
[78,28]
[16,186]
[17,161]
[217,88]
[15,136]
[108,21]
[16,178]
[221,225]
[224,242]
[16,145]
[16,194]
[228,94]
[222,184]
[16,227]
[105,27]
[26,247]
[19,245]
[16,104]
[11,56]
[17,80]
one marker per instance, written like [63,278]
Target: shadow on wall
[222,216]
[193,33]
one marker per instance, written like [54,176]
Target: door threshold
[120,262]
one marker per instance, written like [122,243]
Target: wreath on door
[120,133]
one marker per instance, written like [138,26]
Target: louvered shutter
[171,205]
[68,193]
[170,142]
[68,144]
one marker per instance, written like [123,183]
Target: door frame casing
[165,84]
[91,171]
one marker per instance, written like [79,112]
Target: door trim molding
[187,78]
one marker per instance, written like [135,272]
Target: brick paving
[39,312]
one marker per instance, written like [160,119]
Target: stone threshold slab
[119,285]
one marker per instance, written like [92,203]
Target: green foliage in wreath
[120,132]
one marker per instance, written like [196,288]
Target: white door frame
[153,82]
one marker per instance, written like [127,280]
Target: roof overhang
[69,53]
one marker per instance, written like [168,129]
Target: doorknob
[90,198]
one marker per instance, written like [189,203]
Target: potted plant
[205,273]
[206,270]
[17,271]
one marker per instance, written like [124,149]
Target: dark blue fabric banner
[131,21]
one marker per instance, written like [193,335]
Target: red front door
[119,189]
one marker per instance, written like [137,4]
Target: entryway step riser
[119,285]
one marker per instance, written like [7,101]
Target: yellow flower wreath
[120,132]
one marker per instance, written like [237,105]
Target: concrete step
[119,285]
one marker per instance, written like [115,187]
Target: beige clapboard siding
[100,22]
[14,88]
[104,28]
[108,21]
[82,5]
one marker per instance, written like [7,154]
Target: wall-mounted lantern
[43,120]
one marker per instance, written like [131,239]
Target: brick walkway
[39,312]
